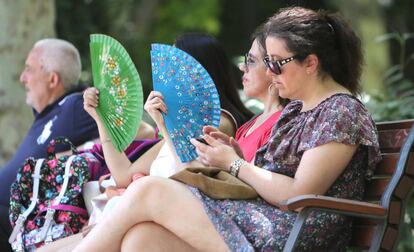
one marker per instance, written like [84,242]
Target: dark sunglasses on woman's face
[275,65]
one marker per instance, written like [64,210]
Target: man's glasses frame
[275,65]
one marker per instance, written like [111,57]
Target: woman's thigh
[149,236]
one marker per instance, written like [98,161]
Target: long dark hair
[324,34]
[210,53]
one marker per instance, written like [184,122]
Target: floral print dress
[255,225]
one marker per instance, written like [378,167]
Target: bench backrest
[390,186]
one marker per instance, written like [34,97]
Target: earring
[270,89]
[308,72]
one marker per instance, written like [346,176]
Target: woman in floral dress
[325,142]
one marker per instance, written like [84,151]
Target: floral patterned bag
[46,201]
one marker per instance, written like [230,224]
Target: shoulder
[343,102]
[71,99]
[72,103]
[227,123]
[342,118]
[341,107]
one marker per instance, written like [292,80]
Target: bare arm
[315,174]
[117,162]
[227,125]
[155,105]
[145,131]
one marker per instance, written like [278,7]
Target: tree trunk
[21,24]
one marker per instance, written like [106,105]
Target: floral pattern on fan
[189,94]
[120,90]
[117,89]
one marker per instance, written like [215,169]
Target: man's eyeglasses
[275,65]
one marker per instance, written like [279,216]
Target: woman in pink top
[256,84]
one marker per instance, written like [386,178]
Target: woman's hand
[154,106]
[217,134]
[215,153]
[91,101]
[223,138]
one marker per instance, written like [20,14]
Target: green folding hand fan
[120,89]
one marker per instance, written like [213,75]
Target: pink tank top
[257,138]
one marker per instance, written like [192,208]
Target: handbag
[46,201]
[215,183]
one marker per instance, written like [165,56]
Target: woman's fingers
[154,94]
[158,103]
[201,152]
[220,136]
[155,102]
[236,147]
[211,141]
[209,129]
[200,147]
[90,97]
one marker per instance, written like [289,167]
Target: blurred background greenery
[388,74]
[385,26]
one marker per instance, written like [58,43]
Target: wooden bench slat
[387,165]
[404,187]
[362,237]
[375,188]
[390,238]
[394,212]
[392,140]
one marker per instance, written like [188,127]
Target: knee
[148,190]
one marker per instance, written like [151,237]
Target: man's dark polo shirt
[65,117]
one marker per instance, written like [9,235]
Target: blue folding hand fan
[189,94]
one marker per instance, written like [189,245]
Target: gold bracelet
[106,141]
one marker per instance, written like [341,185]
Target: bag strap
[50,210]
[64,207]
[51,148]
[22,217]
[70,208]
[66,177]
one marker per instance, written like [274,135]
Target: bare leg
[64,244]
[148,236]
[166,202]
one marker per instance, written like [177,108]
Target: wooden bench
[379,218]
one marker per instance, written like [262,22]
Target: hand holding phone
[202,140]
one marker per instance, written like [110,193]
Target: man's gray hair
[62,57]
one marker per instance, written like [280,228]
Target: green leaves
[398,102]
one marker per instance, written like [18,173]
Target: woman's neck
[321,91]
[271,105]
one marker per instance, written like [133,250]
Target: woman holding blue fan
[315,59]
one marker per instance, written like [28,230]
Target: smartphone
[202,140]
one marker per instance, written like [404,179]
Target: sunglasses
[275,65]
